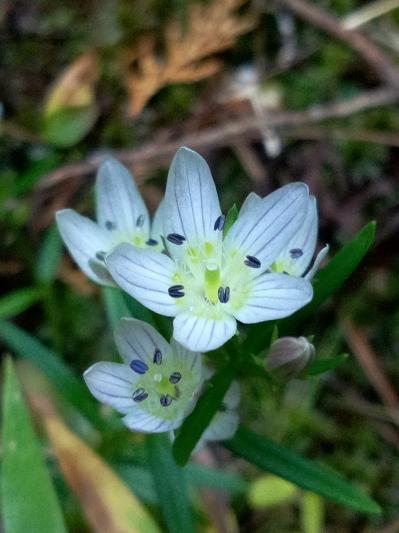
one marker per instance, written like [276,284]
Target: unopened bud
[289,356]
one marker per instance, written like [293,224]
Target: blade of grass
[49,256]
[305,473]
[18,301]
[170,485]
[65,381]
[29,501]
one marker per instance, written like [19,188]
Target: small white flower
[225,422]
[122,216]
[209,282]
[296,257]
[156,386]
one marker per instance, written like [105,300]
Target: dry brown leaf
[210,28]
[108,503]
[75,85]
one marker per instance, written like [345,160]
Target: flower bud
[289,356]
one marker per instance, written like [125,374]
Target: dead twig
[155,154]
[380,63]
[373,368]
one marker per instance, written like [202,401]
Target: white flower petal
[274,296]
[144,274]
[317,262]
[203,334]
[192,359]
[251,202]
[191,201]
[137,340]
[157,223]
[139,420]
[264,231]
[112,384]
[120,206]
[84,239]
[304,240]
[222,427]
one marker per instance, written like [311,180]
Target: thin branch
[368,359]
[381,64]
[155,154]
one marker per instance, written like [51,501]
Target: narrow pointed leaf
[319,366]
[196,422]
[65,381]
[231,217]
[29,501]
[170,485]
[49,256]
[305,473]
[18,301]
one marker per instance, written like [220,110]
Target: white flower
[296,257]
[208,282]
[122,216]
[155,387]
[225,422]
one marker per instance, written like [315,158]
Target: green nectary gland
[202,274]
[156,382]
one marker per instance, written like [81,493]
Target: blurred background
[268,93]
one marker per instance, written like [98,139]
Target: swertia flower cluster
[187,265]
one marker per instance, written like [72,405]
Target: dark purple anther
[175,378]
[219,224]
[139,395]
[295,253]
[252,261]
[175,238]
[138,366]
[157,360]
[165,400]
[110,225]
[176,291]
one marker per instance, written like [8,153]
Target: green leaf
[320,366]
[197,421]
[305,473]
[231,217]
[203,476]
[18,301]
[68,125]
[49,256]
[141,482]
[115,306]
[66,383]
[170,484]
[330,279]
[29,502]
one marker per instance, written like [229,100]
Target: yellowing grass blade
[106,500]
